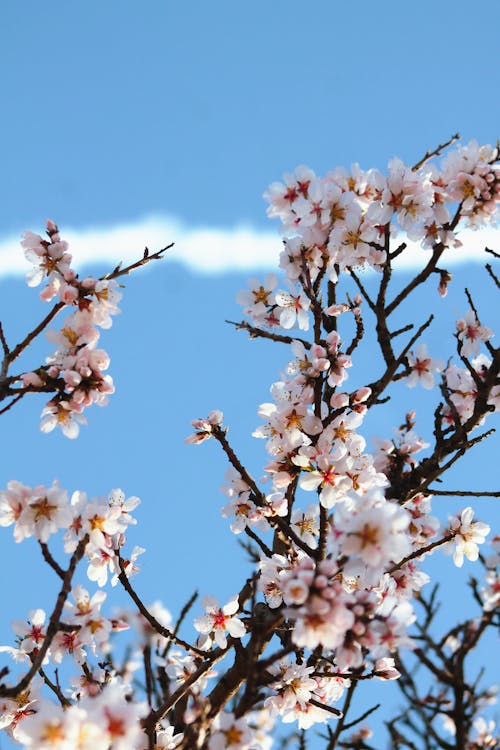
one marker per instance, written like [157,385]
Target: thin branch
[12,403]
[220,435]
[340,726]
[55,688]
[6,352]
[146,258]
[19,349]
[417,280]
[50,560]
[362,717]
[323,533]
[363,291]
[422,551]
[53,625]
[260,333]
[404,329]
[325,707]
[157,626]
[463,493]
[492,252]
[430,154]
[155,716]
[180,620]
[493,275]
[263,546]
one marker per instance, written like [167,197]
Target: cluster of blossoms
[342,217]
[462,384]
[338,537]
[100,522]
[97,722]
[76,369]
[351,566]
[98,711]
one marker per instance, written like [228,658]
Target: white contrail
[209,249]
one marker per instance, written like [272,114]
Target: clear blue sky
[114,111]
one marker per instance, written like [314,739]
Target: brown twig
[430,154]
[53,626]
[422,551]
[261,333]
[50,560]
[157,626]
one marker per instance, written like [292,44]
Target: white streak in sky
[209,249]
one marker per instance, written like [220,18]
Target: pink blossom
[422,367]
[467,537]
[204,427]
[218,622]
[471,333]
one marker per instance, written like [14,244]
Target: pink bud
[339,400]
[361,394]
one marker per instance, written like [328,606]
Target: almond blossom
[467,535]
[294,310]
[422,368]
[204,427]
[31,634]
[471,333]
[230,733]
[218,623]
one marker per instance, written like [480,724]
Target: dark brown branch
[259,499]
[325,707]
[35,332]
[55,688]
[430,154]
[340,726]
[155,716]
[493,275]
[363,291]
[492,252]
[180,620]
[418,279]
[12,403]
[422,551]
[157,626]
[53,625]
[260,333]
[50,560]
[463,493]
[263,546]
[146,258]
[362,717]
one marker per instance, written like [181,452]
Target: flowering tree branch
[338,543]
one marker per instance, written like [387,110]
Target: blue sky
[144,123]
[116,110]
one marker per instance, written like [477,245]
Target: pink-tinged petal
[236,628]
[203,624]
[231,607]
[328,497]
[210,603]
[220,638]
[287,318]
[458,557]
[310,481]
[466,516]
[471,551]
[427,379]
[71,429]
[37,616]
[312,425]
